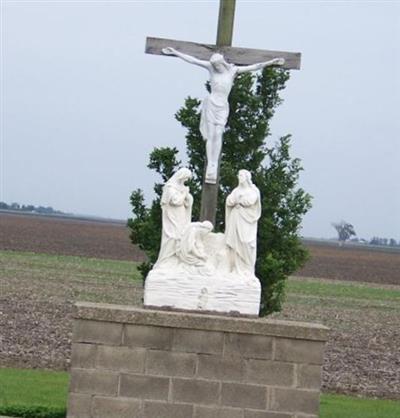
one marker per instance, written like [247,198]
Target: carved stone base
[193,291]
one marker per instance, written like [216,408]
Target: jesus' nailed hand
[215,107]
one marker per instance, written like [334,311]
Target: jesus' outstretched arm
[187,58]
[260,65]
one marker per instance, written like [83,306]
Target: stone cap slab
[198,321]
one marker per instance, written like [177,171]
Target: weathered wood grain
[234,55]
[226,18]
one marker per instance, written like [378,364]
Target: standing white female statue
[176,205]
[215,107]
[243,210]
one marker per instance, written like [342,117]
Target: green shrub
[21,411]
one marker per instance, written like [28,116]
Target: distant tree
[374,241]
[345,230]
[42,209]
[29,208]
[384,241]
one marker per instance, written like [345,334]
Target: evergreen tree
[252,102]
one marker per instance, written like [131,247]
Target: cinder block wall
[141,363]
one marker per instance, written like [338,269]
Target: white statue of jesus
[215,107]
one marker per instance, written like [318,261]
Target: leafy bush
[22,411]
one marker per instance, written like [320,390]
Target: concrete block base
[142,363]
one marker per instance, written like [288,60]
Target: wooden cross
[238,56]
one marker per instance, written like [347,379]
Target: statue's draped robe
[191,249]
[215,107]
[243,209]
[213,112]
[175,217]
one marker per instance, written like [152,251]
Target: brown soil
[63,236]
[362,353]
[373,265]
[111,241]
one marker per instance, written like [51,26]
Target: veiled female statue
[243,209]
[176,205]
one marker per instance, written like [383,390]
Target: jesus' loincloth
[213,112]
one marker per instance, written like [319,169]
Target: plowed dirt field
[38,291]
[111,241]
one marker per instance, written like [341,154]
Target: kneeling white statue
[191,248]
[201,270]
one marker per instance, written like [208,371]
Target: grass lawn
[44,278]
[342,295]
[340,289]
[59,267]
[337,406]
[33,393]
[46,389]
[46,266]
[33,387]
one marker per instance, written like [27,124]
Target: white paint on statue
[215,107]
[243,210]
[191,248]
[176,205]
[201,270]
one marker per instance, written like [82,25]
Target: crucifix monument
[148,363]
[198,269]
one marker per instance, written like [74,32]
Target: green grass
[53,267]
[339,290]
[58,266]
[33,393]
[337,406]
[60,279]
[46,389]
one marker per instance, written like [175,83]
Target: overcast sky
[82,105]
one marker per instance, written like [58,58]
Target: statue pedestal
[143,363]
[201,292]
